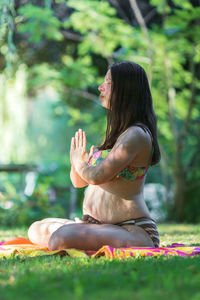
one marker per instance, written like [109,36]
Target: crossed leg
[63,233]
[94,236]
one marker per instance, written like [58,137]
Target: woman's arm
[124,151]
[76,180]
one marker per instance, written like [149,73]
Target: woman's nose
[101,88]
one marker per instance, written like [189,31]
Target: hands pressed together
[78,150]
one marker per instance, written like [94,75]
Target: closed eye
[108,81]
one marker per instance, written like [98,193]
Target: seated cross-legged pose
[114,210]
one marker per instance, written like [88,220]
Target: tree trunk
[180,196]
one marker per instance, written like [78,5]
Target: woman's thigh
[94,236]
[133,228]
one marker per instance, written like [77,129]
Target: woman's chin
[105,105]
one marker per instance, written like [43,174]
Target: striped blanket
[24,248]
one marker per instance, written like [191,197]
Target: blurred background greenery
[53,56]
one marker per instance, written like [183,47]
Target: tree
[69,45]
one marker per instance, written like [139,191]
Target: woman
[114,210]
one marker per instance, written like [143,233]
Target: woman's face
[105,89]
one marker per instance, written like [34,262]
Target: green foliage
[185,4]
[79,73]
[49,198]
[40,23]
[55,85]
[191,209]
[7,14]
[161,6]
[25,210]
[40,75]
[104,36]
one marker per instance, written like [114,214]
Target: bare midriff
[115,201]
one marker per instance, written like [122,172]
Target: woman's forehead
[108,75]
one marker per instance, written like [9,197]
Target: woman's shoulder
[133,134]
[133,140]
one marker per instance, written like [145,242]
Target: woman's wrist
[80,166]
[87,173]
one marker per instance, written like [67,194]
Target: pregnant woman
[114,210]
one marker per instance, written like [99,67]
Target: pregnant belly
[110,209]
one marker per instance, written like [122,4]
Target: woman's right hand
[91,148]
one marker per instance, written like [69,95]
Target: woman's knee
[33,231]
[55,241]
[59,239]
[68,236]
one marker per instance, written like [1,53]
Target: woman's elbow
[77,184]
[74,184]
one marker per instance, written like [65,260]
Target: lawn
[98,279]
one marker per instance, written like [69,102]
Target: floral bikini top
[128,173]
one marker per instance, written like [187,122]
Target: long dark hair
[130,104]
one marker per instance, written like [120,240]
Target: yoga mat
[24,248]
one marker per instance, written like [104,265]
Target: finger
[84,140]
[73,146]
[91,150]
[80,138]
[76,137]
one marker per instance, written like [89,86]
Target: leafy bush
[16,209]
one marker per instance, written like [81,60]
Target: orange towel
[18,241]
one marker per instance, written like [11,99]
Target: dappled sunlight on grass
[179,233]
[7,234]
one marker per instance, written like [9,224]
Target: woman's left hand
[78,151]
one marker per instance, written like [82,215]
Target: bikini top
[128,173]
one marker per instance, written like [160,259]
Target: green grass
[98,279]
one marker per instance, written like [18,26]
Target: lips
[101,95]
